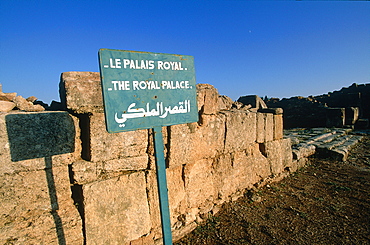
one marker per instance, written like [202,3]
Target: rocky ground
[326,202]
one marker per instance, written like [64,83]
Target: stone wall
[65,180]
[347,107]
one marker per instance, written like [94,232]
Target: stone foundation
[79,184]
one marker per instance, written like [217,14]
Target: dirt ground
[327,202]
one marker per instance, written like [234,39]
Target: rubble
[322,142]
[10,101]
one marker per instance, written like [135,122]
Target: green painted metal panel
[143,90]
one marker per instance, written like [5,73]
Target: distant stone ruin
[348,107]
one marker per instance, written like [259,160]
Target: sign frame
[143,90]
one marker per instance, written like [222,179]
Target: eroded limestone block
[199,183]
[6,106]
[278,153]
[37,208]
[303,151]
[207,99]
[224,179]
[224,102]
[24,105]
[269,127]
[260,128]
[26,138]
[241,130]
[104,146]
[116,210]
[190,142]
[278,127]
[81,91]
[254,100]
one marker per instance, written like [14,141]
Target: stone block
[278,127]
[260,128]
[37,135]
[6,106]
[208,99]
[116,210]
[254,100]
[199,185]
[224,179]
[335,117]
[86,172]
[278,153]
[224,103]
[129,163]
[275,111]
[81,92]
[176,198]
[103,146]
[260,167]
[190,142]
[235,172]
[351,115]
[303,151]
[153,199]
[24,105]
[27,138]
[37,208]
[269,127]
[241,130]
[176,192]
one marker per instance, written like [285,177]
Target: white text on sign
[150,85]
[144,65]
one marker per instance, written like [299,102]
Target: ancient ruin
[65,180]
[347,107]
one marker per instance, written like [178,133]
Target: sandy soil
[327,202]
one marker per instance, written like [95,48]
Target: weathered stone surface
[24,105]
[153,200]
[189,142]
[303,151]
[176,192]
[86,172]
[224,103]
[207,99]
[81,91]
[199,183]
[224,183]
[240,170]
[7,96]
[116,210]
[31,99]
[129,163]
[241,130]
[27,138]
[269,127]
[105,146]
[37,208]
[278,127]
[254,100]
[6,106]
[260,128]
[279,154]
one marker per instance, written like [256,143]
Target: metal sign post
[144,90]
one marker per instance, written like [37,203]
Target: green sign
[146,90]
